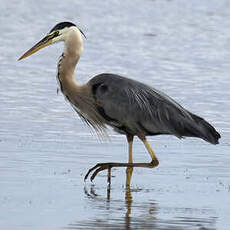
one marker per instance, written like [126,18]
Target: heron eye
[55,34]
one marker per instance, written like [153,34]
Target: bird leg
[129,170]
[154,161]
[102,166]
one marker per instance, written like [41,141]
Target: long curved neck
[68,61]
[78,95]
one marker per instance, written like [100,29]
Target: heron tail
[204,130]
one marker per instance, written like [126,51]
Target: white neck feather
[69,59]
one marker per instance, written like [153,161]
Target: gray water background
[180,47]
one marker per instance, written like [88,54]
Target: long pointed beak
[41,44]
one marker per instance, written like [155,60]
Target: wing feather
[139,107]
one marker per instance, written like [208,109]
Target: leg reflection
[128,201]
[127,211]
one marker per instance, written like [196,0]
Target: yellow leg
[155,161]
[103,166]
[129,170]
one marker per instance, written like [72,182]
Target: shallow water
[179,47]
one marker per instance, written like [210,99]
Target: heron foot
[102,166]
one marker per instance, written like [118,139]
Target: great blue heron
[130,107]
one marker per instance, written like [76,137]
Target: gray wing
[137,108]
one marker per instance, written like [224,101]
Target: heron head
[58,33]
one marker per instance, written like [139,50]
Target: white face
[70,35]
[65,34]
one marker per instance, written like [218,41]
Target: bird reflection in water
[125,207]
[91,193]
[141,214]
[128,200]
